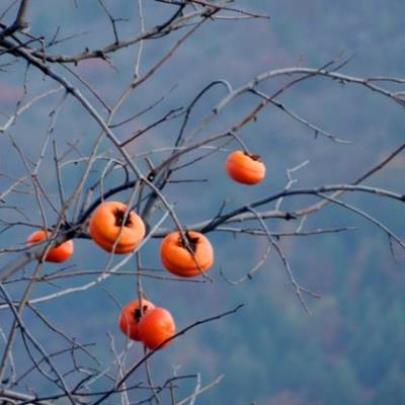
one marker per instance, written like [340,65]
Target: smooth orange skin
[155,327]
[245,168]
[105,232]
[178,260]
[57,254]
[129,321]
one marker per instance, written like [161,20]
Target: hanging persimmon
[245,168]
[57,254]
[130,316]
[115,229]
[155,327]
[187,257]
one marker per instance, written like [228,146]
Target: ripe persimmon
[110,226]
[56,254]
[131,315]
[156,326]
[245,168]
[183,260]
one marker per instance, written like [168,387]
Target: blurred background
[351,350]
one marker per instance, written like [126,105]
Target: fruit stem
[119,215]
[253,156]
[188,242]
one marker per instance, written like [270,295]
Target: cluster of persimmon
[119,230]
[142,321]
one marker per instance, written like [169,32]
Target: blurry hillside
[352,349]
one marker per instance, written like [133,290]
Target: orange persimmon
[56,254]
[185,261]
[245,168]
[131,315]
[156,326]
[107,227]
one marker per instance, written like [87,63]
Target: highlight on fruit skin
[245,168]
[155,327]
[111,226]
[57,254]
[131,315]
[185,261]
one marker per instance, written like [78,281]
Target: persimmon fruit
[183,260]
[156,326]
[111,226]
[57,254]
[245,168]
[131,315]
